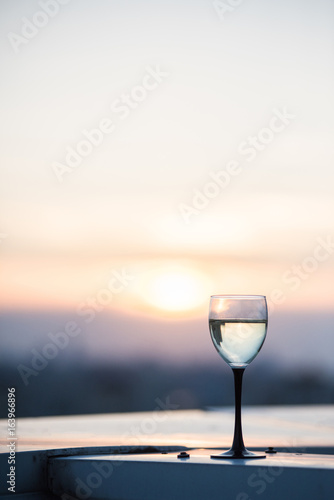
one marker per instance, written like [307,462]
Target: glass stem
[238,442]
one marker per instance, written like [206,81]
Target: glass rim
[237,297]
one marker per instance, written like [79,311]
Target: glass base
[243,454]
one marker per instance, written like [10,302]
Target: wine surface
[238,341]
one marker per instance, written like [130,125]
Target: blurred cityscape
[118,376]
[82,389]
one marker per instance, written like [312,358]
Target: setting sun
[176,290]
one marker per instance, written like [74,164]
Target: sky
[155,153]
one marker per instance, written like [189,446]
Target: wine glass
[238,327]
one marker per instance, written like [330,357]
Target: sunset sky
[188,150]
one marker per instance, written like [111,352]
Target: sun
[176,290]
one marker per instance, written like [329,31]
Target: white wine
[238,327]
[238,341]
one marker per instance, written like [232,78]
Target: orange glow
[160,286]
[176,289]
